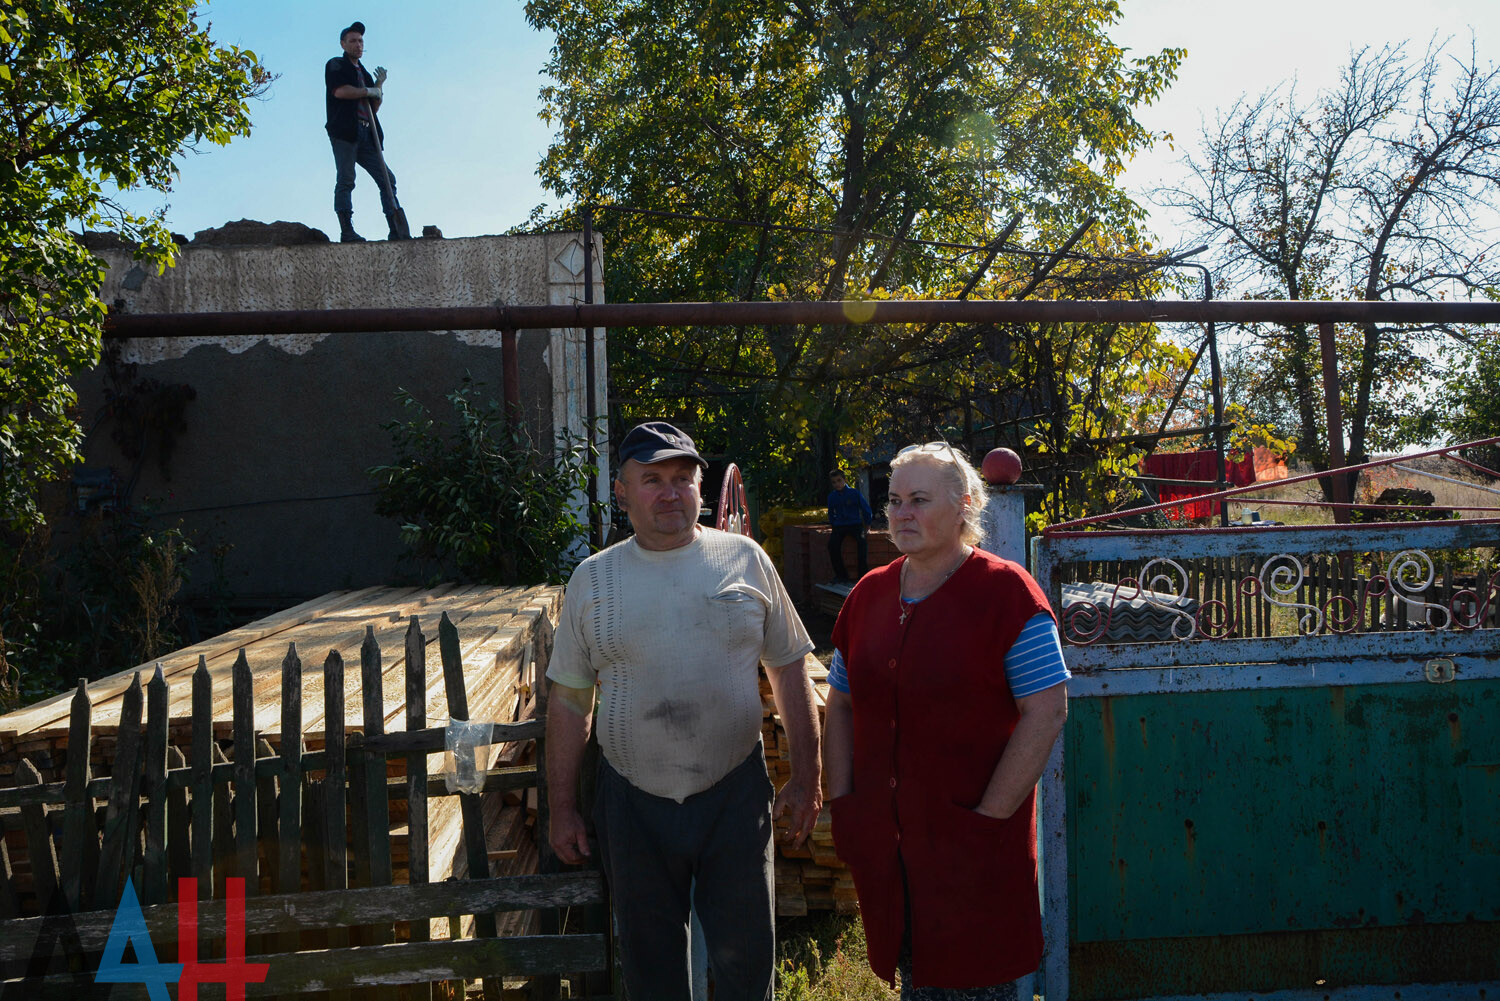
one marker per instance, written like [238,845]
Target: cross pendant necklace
[908,605]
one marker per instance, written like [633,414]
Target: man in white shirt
[673,626]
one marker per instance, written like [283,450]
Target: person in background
[674,625]
[353,98]
[947,692]
[849,515]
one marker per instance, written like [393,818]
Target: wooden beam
[321,909]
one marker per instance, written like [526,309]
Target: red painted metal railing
[1446,452]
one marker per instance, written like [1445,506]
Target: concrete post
[1004,523]
[1004,517]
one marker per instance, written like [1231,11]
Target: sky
[461,104]
[460,115]
[1236,49]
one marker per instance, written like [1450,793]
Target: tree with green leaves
[1471,397]
[1383,187]
[94,98]
[898,139]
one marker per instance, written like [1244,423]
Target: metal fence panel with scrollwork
[1281,769]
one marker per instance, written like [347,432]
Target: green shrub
[106,605]
[128,575]
[476,497]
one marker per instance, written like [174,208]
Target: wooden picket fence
[307,831]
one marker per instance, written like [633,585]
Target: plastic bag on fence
[461,741]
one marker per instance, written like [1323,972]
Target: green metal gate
[1280,776]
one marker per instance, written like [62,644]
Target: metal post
[510,361]
[1335,417]
[1216,377]
[596,536]
[1216,388]
[1218,391]
[1052,819]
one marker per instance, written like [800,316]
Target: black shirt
[343,116]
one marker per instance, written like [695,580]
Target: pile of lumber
[501,632]
[510,834]
[510,823]
[810,878]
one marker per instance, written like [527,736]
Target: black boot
[398,228]
[346,229]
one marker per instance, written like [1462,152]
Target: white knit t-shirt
[675,639]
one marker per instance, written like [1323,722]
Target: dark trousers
[654,849]
[363,152]
[836,549]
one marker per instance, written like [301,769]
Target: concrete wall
[283,427]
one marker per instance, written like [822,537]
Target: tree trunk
[1311,443]
[1360,419]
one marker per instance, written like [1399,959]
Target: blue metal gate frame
[1329,649]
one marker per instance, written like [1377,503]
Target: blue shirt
[1034,662]
[848,507]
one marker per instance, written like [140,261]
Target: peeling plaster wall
[284,426]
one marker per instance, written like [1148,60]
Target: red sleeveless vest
[932,714]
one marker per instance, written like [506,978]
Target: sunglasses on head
[931,446]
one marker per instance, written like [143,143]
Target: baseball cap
[655,441]
[358,26]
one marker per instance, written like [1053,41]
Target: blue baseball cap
[655,441]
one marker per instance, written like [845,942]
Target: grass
[1444,493]
[822,958]
[1474,490]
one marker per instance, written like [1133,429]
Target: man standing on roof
[353,98]
[674,626]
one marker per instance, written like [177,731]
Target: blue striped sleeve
[838,674]
[1034,662]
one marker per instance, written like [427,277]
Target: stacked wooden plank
[499,630]
[810,878]
[309,829]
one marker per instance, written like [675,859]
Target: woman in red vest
[947,694]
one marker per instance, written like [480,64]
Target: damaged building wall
[281,428]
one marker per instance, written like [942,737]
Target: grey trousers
[711,854]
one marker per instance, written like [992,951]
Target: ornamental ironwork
[1158,603]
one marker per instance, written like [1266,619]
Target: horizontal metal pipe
[741,314]
[1162,481]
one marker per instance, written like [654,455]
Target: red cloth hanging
[1200,465]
